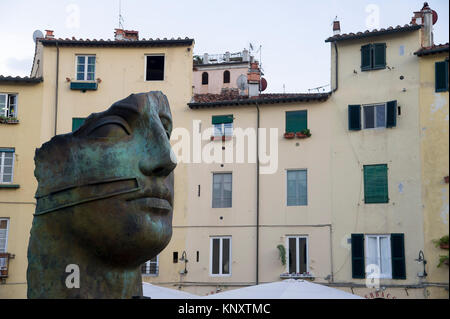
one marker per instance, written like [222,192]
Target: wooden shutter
[379,55]
[365,57]
[358,264]
[391,114]
[441,76]
[375,184]
[222,119]
[398,256]
[296,121]
[354,117]
[77,122]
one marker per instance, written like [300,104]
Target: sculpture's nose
[161,162]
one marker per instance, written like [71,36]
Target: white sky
[291,33]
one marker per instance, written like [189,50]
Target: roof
[438,48]
[117,43]
[18,79]
[375,32]
[232,98]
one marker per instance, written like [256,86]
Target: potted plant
[442,242]
[443,260]
[304,133]
[282,252]
[289,135]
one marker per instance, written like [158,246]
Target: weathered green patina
[104,201]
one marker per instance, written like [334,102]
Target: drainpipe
[336,65]
[257,195]
[56,86]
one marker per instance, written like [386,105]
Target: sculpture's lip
[149,203]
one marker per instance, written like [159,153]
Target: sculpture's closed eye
[110,127]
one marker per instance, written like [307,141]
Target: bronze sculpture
[104,201]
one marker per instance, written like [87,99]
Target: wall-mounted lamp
[422,259]
[184,259]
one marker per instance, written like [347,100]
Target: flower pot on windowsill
[9,120]
[446,178]
[289,135]
[443,246]
[301,135]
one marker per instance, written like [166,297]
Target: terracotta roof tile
[437,48]
[119,43]
[374,32]
[19,79]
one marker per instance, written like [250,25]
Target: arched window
[226,76]
[205,78]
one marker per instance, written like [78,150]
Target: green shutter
[358,265]
[391,114]
[221,119]
[375,184]
[441,76]
[296,121]
[77,122]
[379,55]
[365,57]
[398,256]
[354,117]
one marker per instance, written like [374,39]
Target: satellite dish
[242,82]
[37,34]
[435,16]
[263,84]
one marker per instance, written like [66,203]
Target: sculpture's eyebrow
[125,108]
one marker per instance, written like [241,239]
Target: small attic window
[154,68]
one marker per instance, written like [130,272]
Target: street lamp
[184,259]
[422,259]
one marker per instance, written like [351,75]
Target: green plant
[282,252]
[198,60]
[441,241]
[443,260]
[306,132]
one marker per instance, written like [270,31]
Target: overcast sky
[291,33]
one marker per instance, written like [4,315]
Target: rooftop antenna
[120,15]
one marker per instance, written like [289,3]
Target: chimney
[126,35]
[245,57]
[49,34]
[424,18]
[253,78]
[205,58]
[227,56]
[336,28]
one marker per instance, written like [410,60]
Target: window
[205,78]
[220,263]
[373,116]
[373,56]
[226,76]
[297,188]
[8,105]
[4,223]
[77,122]
[6,165]
[175,257]
[150,267]
[296,121]
[376,184]
[380,256]
[223,125]
[154,68]
[85,67]
[222,190]
[441,76]
[297,254]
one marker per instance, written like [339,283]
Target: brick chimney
[49,34]
[424,18]
[126,35]
[253,78]
[336,28]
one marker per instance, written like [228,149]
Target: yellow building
[434,112]
[71,79]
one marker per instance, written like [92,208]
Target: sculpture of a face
[111,181]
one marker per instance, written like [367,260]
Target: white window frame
[147,265]
[223,129]
[86,56]
[366,249]
[145,69]
[7,112]
[363,116]
[297,253]
[221,238]
[6,242]
[2,160]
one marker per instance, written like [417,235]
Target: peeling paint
[439,102]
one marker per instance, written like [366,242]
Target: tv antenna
[120,15]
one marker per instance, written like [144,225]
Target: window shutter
[222,119]
[441,76]
[391,112]
[398,256]
[375,184]
[365,57]
[358,265]
[296,121]
[354,117]
[77,122]
[379,52]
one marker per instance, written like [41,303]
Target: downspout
[336,66]
[257,195]
[56,86]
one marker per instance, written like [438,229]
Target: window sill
[374,68]
[83,86]
[221,138]
[149,275]
[9,186]
[297,276]
[7,121]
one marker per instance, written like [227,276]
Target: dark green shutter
[441,76]
[398,256]
[358,264]
[391,114]
[365,57]
[375,184]
[354,117]
[221,119]
[379,53]
[77,122]
[296,121]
